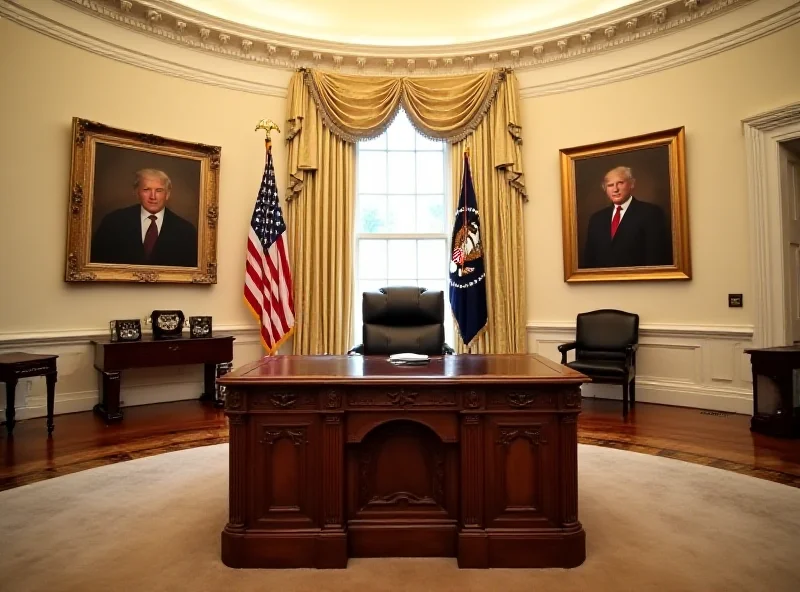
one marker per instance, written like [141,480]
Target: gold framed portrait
[142,208]
[624,209]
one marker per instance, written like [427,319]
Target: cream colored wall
[45,84]
[692,347]
[709,97]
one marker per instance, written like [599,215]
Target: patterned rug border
[698,459]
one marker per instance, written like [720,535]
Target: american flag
[268,280]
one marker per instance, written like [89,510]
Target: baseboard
[678,395]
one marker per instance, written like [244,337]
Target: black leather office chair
[605,349]
[403,319]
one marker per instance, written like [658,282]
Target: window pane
[402,259]
[401,213]
[441,286]
[401,172]
[371,172]
[430,213]
[378,143]
[372,259]
[402,282]
[424,143]
[369,286]
[372,213]
[430,172]
[431,259]
[401,133]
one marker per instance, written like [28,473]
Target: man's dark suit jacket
[642,238]
[119,240]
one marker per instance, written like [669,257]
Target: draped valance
[441,107]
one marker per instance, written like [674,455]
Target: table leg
[209,383]
[219,392]
[11,386]
[51,400]
[108,408]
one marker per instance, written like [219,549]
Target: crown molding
[177,24]
[170,39]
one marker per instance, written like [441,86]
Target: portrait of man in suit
[145,209]
[624,209]
[629,232]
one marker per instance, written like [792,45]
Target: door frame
[763,133]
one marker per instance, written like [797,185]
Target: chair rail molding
[701,366]
[762,135]
[166,37]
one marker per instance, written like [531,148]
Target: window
[401,214]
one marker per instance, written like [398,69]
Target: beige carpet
[154,524]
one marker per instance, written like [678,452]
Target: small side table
[16,365]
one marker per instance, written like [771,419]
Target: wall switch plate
[734,300]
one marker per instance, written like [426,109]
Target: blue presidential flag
[467,271]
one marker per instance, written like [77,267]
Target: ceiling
[406,23]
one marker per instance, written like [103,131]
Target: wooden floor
[83,441]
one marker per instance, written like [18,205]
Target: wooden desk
[469,456]
[16,365]
[111,357]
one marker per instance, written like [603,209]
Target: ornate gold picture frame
[142,208]
[624,210]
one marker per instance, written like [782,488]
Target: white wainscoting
[684,365]
[78,385]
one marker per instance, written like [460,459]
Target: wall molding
[220,53]
[736,332]
[699,366]
[84,336]
[762,135]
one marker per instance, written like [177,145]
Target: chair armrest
[564,348]
[357,350]
[447,350]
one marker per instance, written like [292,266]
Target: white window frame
[443,235]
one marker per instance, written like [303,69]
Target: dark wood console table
[469,456]
[16,365]
[111,357]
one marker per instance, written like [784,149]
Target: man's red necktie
[614,221]
[151,236]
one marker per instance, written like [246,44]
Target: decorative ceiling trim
[178,24]
[745,34]
[140,44]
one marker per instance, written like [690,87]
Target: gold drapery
[320,215]
[442,107]
[327,113]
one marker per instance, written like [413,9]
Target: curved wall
[692,343]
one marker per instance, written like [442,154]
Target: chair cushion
[609,368]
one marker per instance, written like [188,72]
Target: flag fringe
[264,343]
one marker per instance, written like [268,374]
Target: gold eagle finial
[267,125]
